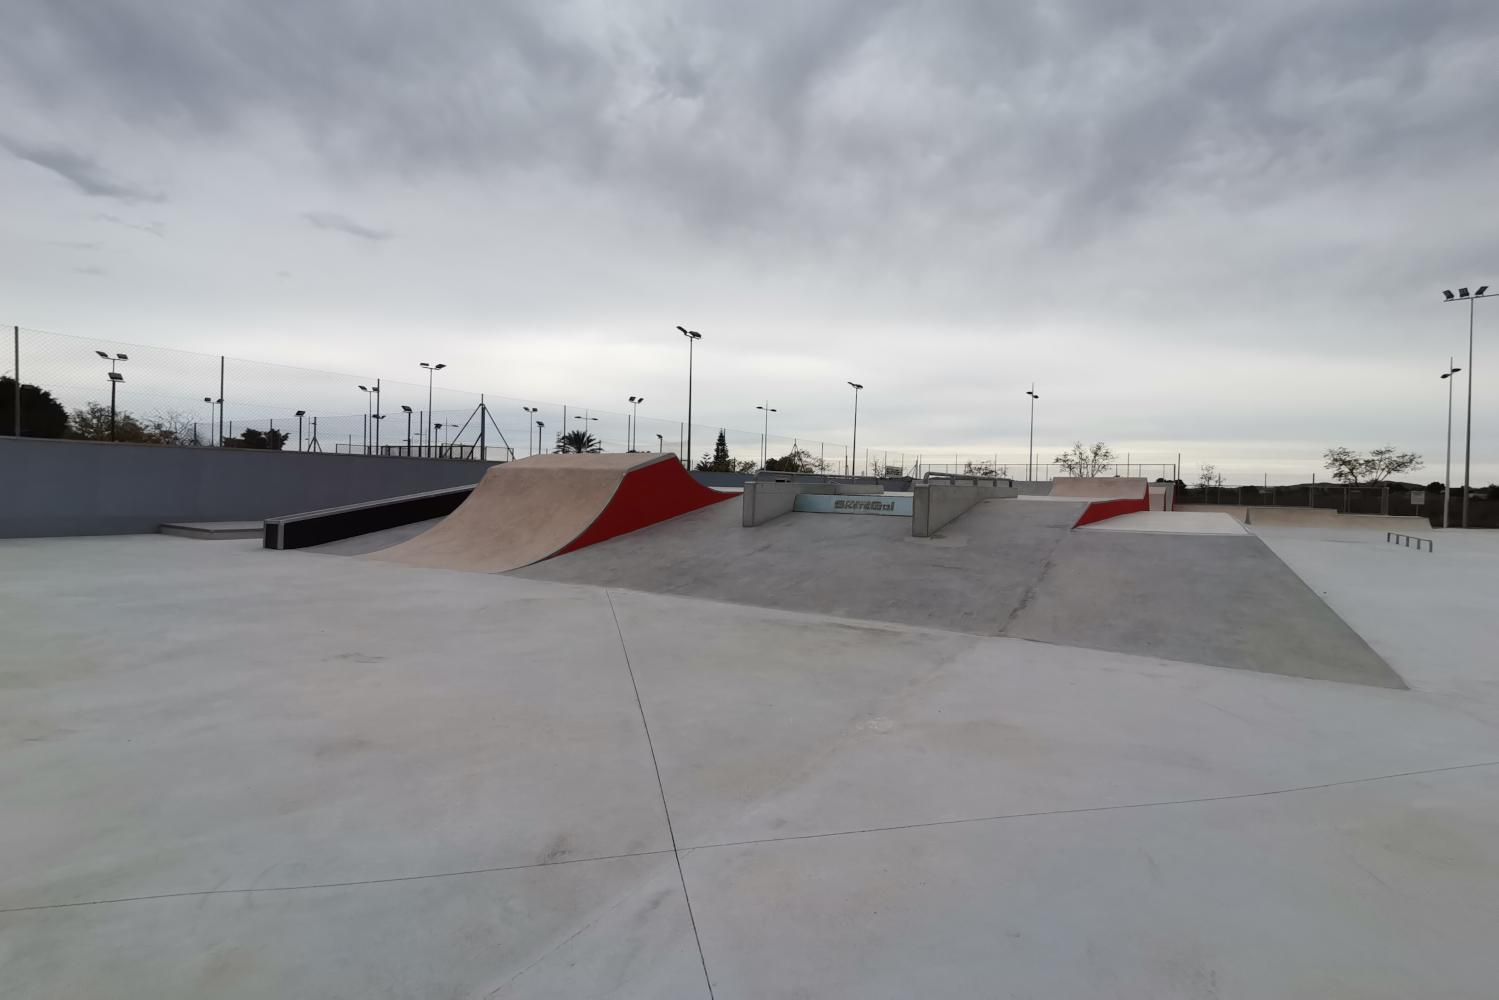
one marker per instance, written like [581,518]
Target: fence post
[17,406]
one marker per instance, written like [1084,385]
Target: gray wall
[938,502]
[766,501]
[57,487]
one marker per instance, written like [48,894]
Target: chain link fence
[106,390]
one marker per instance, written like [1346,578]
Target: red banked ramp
[1109,496]
[526,511]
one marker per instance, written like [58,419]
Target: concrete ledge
[939,502]
[214,530]
[298,531]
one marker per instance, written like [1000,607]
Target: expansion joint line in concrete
[331,885]
[666,809]
[1079,810]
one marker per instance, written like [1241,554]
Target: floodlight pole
[1447,479]
[692,338]
[765,435]
[1462,293]
[857,387]
[1030,462]
[531,412]
[432,369]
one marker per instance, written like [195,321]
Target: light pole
[1030,461]
[660,444]
[765,435]
[431,370]
[1462,293]
[407,410]
[377,418]
[635,402]
[1447,480]
[211,404]
[300,415]
[115,378]
[436,438]
[692,338]
[531,411]
[370,395]
[539,426]
[586,418]
[857,388]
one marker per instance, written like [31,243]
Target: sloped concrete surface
[1007,567]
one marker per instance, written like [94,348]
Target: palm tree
[578,442]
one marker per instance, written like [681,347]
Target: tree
[272,440]
[1208,475]
[91,423]
[175,427]
[1350,467]
[1085,463]
[1385,462]
[796,460]
[982,468]
[720,460]
[41,414]
[578,443]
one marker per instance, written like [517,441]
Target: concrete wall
[764,501]
[939,502]
[57,487]
[732,480]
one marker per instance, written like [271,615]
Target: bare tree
[1085,462]
[982,468]
[1208,475]
[1353,468]
[174,427]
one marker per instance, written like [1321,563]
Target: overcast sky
[1214,228]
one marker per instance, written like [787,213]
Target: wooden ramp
[526,511]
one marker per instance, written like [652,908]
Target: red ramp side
[647,496]
[1102,510]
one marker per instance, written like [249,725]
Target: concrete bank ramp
[968,578]
[1008,567]
[526,511]
[1323,519]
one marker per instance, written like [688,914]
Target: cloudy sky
[1213,228]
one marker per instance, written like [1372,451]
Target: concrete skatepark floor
[240,773]
[1007,567]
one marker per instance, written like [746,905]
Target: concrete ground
[233,772]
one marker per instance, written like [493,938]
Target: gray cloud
[157,229]
[343,224]
[1156,208]
[83,172]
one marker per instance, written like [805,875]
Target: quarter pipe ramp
[535,508]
